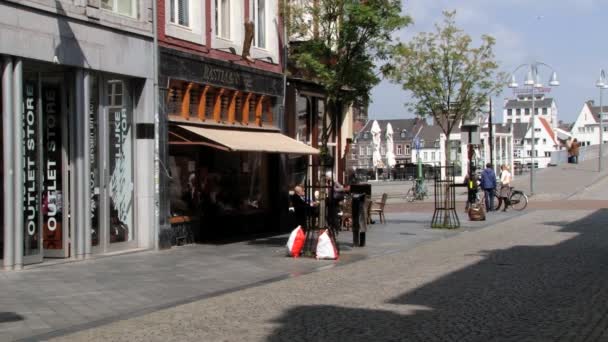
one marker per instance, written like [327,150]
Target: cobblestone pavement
[541,276]
[71,296]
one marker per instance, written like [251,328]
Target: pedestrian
[505,186]
[488,184]
[574,150]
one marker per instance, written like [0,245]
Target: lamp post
[533,81]
[601,84]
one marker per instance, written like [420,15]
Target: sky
[566,34]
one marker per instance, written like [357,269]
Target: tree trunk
[447,186]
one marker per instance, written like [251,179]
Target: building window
[369,150]
[222,18]
[548,154]
[544,141]
[361,150]
[537,130]
[510,112]
[527,111]
[433,156]
[424,155]
[180,12]
[407,150]
[259,19]
[518,111]
[124,7]
[545,111]
[403,134]
[399,150]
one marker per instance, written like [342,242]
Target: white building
[546,143]
[519,110]
[586,127]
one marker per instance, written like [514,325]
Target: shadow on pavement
[532,293]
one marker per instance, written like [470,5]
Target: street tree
[339,44]
[448,78]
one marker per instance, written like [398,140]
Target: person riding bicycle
[488,184]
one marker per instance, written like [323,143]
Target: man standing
[488,184]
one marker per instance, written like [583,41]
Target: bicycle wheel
[519,201]
[497,201]
[410,196]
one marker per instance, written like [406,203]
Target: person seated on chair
[301,205]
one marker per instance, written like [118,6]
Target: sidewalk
[563,181]
[538,277]
[67,297]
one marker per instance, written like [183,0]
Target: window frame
[114,9]
[175,9]
[254,12]
[219,20]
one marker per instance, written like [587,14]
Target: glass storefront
[120,144]
[31,167]
[219,188]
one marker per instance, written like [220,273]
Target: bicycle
[518,199]
[417,192]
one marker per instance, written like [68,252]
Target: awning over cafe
[239,140]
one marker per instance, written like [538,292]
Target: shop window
[123,7]
[180,12]
[120,138]
[222,18]
[259,19]
[303,110]
[211,183]
[31,157]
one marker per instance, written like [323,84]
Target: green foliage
[448,78]
[339,41]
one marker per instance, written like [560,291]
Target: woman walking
[505,185]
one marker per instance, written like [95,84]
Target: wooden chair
[378,208]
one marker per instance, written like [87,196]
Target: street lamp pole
[601,84]
[533,80]
[533,146]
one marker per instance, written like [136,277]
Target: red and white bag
[296,242]
[326,247]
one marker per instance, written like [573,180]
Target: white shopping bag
[326,247]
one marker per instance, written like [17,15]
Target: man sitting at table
[302,206]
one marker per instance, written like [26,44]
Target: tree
[338,45]
[448,78]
